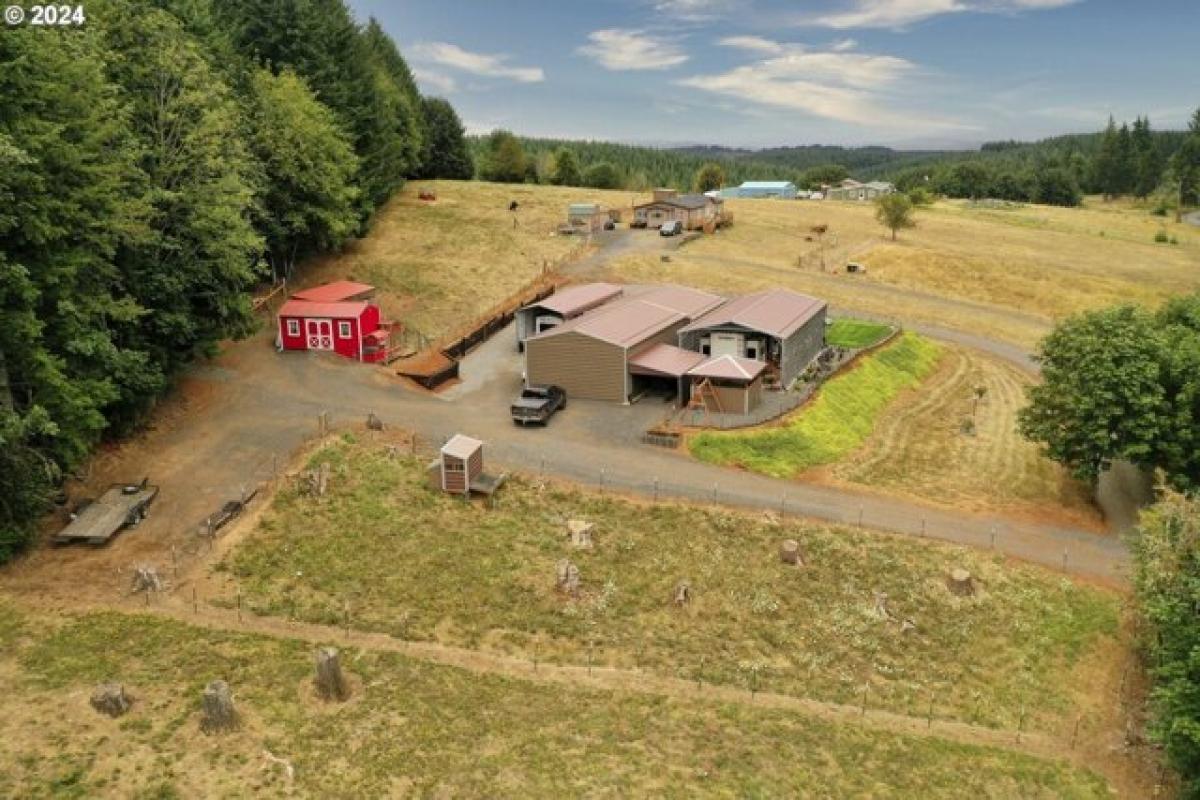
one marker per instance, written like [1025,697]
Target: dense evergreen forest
[1125,159]
[158,163]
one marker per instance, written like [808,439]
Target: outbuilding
[568,303]
[783,329]
[693,211]
[851,189]
[339,317]
[727,384]
[461,464]
[785,190]
[588,216]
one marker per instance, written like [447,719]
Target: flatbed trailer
[121,505]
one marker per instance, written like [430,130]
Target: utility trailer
[121,505]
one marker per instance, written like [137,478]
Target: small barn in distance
[851,189]
[782,328]
[588,217]
[561,306]
[340,317]
[785,190]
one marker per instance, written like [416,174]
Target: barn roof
[767,185]
[664,359]
[688,201]
[335,292]
[630,321]
[461,446]
[775,312]
[727,367]
[574,299]
[307,308]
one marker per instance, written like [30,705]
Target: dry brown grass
[920,451]
[440,264]
[1008,274]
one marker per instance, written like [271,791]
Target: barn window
[344,330]
[293,327]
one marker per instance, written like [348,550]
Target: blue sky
[754,73]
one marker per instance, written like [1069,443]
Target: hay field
[414,729]
[420,565]
[939,444]
[1007,273]
[440,264]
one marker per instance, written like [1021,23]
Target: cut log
[146,579]
[683,593]
[881,606]
[789,553]
[216,707]
[110,699]
[374,423]
[580,533]
[960,582]
[567,577]
[331,684]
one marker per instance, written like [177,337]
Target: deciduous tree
[894,211]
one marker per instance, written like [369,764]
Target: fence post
[993,537]
[1064,559]
[656,489]
[195,603]
[860,515]
[1075,732]
[239,605]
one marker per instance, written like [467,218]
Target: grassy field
[414,729]
[847,332]
[439,264]
[1015,270]
[420,565]
[837,421]
[944,444]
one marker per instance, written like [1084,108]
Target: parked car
[672,228]
[610,225]
[538,404]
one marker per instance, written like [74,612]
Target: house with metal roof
[851,189]
[783,329]
[695,211]
[568,303]
[597,355]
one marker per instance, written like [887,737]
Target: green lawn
[421,565]
[835,423]
[421,730]
[845,332]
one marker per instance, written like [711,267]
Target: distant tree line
[157,163]
[1130,159]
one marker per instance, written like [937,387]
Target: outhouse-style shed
[461,463]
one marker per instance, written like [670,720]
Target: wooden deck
[116,508]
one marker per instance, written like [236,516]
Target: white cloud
[487,65]
[835,84]
[435,80]
[695,10]
[842,45]
[752,43]
[621,49]
[899,13]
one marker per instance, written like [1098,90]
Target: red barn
[337,316]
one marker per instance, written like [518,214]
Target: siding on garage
[585,367]
[802,347]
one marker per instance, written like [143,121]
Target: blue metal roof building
[782,189]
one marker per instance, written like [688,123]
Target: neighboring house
[785,190]
[339,317]
[783,329]
[695,211]
[591,355]
[850,189]
[561,306]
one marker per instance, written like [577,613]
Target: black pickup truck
[538,404]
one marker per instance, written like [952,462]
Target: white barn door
[319,333]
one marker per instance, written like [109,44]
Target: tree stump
[683,593]
[146,579]
[216,706]
[580,533]
[567,577]
[374,423]
[331,684]
[110,699]
[960,582]
[881,606]
[789,553]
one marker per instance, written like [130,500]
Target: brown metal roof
[335,292]
[775,312]
[307,308]
[733,368]
[664,359]
[632,320]
[576,299]
[461,446]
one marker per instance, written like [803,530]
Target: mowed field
[1006,274]
[420,565]
[415,729]
[440,264]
